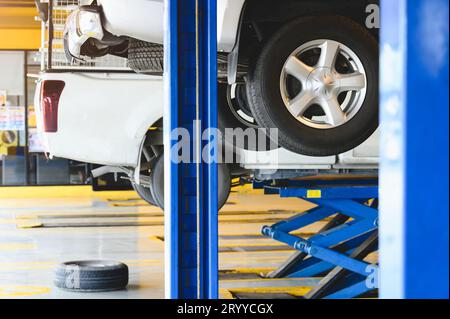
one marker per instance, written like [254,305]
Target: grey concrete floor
[37,232]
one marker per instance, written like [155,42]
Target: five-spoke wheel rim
[323,84]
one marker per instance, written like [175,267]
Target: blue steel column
[414,175]
[191,231]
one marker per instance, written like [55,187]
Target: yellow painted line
[225,294]
[125,199]
[68,214]
[295,291]
[29,224]
[138,222]
[12,291]
[62,191]
[133,204]
[247,189]
[17,246]
[247,271]
[156,238]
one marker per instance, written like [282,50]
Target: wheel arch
[262,18]
[152,134]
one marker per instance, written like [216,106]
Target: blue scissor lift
[339,248]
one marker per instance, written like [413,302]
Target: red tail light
[50,94]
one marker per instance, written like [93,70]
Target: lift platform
[338,250]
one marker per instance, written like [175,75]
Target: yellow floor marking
[247,189]
[124,200]
[110,214]
[22,291]
[156,238]
[295,291]
[17,246]
[29,224]
[99,224]
[246,271]
[130,205]
[62,191]
[225,294]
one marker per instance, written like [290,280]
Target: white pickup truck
[115,120]
[308,68]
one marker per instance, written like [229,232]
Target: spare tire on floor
[91,276]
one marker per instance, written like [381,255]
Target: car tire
[145,57]
[265,82]
[91,276]
[157,179]
[234,113]
[144,193]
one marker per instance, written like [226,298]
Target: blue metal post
[414,204]
[191,217]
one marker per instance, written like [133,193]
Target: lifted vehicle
[90,117]
[307,68]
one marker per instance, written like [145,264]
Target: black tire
[91,276]
[144,193]
[157,181]
[228,119]
[264,82]
[157,178]
[145,57]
